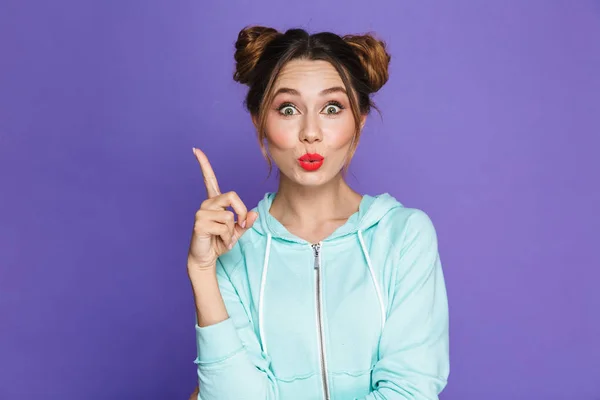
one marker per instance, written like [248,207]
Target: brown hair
[261,52]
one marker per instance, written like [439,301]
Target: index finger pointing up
[210,180]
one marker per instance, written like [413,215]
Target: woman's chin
[311,178]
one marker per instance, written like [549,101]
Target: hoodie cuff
[217,342]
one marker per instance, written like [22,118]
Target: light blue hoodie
[361,315]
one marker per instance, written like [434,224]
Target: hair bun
[373,57]
[249,46]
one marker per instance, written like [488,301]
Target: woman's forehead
[308,76]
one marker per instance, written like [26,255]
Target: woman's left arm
[414,353]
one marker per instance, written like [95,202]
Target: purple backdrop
[490,124]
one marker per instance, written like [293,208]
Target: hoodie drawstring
[368,259]
[261,296]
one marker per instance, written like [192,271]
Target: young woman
[319,292]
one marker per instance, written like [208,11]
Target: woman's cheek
[281,134]
[340,134]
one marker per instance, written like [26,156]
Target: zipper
[317,267]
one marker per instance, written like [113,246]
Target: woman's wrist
[197,273]
[210,307]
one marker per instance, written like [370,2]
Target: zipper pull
[316,247]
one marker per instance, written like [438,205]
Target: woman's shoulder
[401,221]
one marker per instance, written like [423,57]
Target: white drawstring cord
[262,295]
[368,259]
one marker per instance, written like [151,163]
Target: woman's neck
[309,207]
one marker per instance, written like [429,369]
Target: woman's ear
[255,121]
[363,121]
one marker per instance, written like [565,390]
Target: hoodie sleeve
[414,352]
[230,362]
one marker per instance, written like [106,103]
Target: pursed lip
[311,157]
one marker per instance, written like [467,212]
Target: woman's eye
[332,109]
[287,110]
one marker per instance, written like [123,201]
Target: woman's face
[309,125]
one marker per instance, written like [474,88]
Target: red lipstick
[311,161]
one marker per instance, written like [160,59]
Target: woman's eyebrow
[325,92]
[291,91]
[334,89]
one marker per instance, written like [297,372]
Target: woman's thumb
[250,219]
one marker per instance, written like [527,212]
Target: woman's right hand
[215,229]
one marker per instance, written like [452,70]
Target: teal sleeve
[414,352]
[230,362]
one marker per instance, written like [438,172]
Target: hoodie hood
[371,210]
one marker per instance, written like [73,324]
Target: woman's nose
[311,131]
